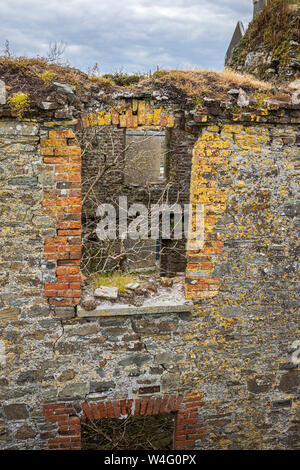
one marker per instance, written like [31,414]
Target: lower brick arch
[68,416]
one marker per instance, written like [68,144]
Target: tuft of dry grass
[47,76]
[42,69]
[229,76]
[102,81]
[198,82]
[117,279]
[38,73]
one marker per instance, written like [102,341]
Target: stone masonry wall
[238,349]
[246,343]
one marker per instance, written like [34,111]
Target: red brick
[129,406]
[56,286]
[50,249]
[117,410]
[157,404]
[69,232]
[76,255]
[150,406]
[137,407]
[163,406]
[69,279]
[66,270]
[178,402]
[172,401]
[49,293]
[110,410]
[123,407]
[56,241]
[144,403]
[87,410]
[102,409]
[95,410]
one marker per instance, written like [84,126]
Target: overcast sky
[132,35]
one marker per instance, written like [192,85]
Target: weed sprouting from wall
[19,103]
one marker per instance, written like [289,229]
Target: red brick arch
[68,416]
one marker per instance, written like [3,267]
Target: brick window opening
[131,433]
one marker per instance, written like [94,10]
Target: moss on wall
[270,42]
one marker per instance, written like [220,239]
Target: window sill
[127,310]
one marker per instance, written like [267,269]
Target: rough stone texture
[2,92]
[238,347]
[246,331]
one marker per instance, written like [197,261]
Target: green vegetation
[19,103]
[260,97]
[272,30]
[47,76]
[122,79]
[102,81]
[116,279]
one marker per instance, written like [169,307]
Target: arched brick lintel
[140,113]
[68,417]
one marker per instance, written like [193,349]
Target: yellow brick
[156,117]
[93,120]
[107,119]
[62,134]
[232,129]
[134,105]
[100,118]
[141,112]
[122,120]
[170,121]
[53,143]
[149,119]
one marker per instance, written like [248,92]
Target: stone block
[2,92]
[100,387]
[106,292]
[15,411]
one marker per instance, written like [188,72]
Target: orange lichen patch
[206,193]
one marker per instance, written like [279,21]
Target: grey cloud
[135,35]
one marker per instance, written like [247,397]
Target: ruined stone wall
[26,324]
[237,349]
[246,341]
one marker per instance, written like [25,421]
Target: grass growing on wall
[117,279]
[271,29]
